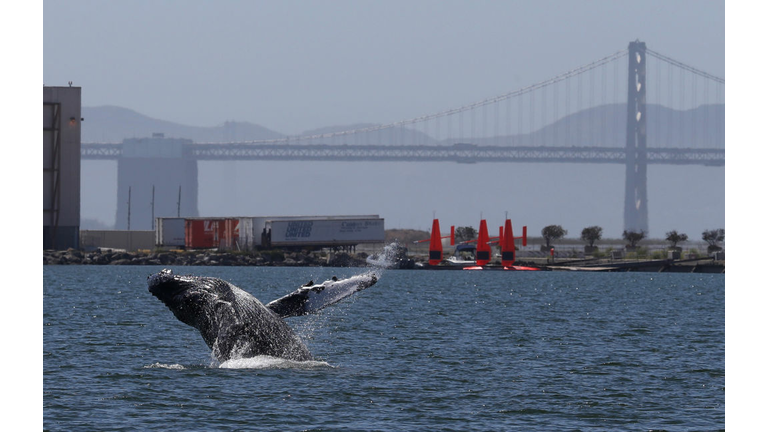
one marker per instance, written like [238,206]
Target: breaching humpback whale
[234,324]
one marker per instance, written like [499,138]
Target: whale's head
[188,297]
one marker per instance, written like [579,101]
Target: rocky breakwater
[204,258]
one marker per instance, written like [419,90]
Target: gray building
[154,179]
[61,167]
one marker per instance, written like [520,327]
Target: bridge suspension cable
[684,66]
[489,101]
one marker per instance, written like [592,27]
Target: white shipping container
[325,231]
[259,224]
[169,232]
[245,234]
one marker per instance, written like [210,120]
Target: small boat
[464,255]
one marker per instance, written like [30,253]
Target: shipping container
[258,228]
[323,232]
[221,233]
[245,234]
[203,233]
[169,232]
[235,234]
[229,233]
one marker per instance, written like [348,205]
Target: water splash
[313,329]
[268,362]
[165,366]
[393,255]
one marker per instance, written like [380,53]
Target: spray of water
[393,255]
[318,326]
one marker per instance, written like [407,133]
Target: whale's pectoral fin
[311,299]
[291,305]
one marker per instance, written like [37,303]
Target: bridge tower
[636,193]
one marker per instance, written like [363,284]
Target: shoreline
[202,258]
[342,259]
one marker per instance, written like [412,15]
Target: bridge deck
[467,153]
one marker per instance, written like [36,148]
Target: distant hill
[598,126]
[405,236]
[113,124]
[603,126]
[342,128]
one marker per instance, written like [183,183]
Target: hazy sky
[292,66]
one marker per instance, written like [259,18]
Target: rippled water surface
[420,350]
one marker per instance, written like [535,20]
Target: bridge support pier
[636,186]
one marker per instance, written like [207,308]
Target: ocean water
[420,350]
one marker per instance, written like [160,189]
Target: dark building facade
[61,167]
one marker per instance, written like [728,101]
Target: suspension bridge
[634,107]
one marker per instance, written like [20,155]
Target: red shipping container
[203,233]
[231,233]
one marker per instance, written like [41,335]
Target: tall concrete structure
[155,178]
[636,191]
[61,167]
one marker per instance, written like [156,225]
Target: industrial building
[61,167]
[154,179]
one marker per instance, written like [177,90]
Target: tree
[465,234]
[713,237]
[552,233]
[591,235]
[675,238]
[633,237]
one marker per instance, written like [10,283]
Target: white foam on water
[165,366]
[269,362]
